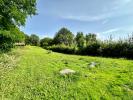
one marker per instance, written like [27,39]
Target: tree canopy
[80,39]
[64,36]
[46,42]
[34,40]
[91,37]
[15,12]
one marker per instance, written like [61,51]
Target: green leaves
[64,36]
[15,12]
[80,39]
[34,40]
[8,38]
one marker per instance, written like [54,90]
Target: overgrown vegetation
[65,42]
[36,76]
[13,14]
[9,37]
[33,40]
[8,62]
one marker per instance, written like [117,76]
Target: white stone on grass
[67,71]
[93,64]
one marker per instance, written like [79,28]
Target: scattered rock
[67,71]
[92,64]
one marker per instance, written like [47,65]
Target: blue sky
[103,17]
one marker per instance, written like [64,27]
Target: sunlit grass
[36,76]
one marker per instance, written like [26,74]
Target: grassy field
[31,73]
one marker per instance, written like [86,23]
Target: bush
[128,51]
[117,49]
[34,40]
[8,38]
[6,41]
[91,49]
[62,49]
[46,42]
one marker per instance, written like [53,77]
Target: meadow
[32,73]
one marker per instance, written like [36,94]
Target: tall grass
[37,77]
[8,61]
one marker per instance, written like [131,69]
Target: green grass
[33,74]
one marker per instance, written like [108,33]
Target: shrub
[62,49]
[6,41]
[46,42]
[34,40]
[8,38]
[91,49]
[116,49]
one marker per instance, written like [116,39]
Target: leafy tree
[18,35]
[8,38]
[15,12]
[27,39]
[90,38]
[6,41]
[64,36]
[46,42]
[34,40]
[80,39]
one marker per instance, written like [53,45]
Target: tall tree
[64,36]
[34,40]
[90,38]
[15,12]
[46,42]
[80,39]
[27,39]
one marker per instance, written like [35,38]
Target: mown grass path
[36,76]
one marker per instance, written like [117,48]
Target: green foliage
[91,49]
[89,45]
[80,40]
[27,39]
[64,36]
[8,38]
[34,40]
[6,41]
[90,38]
[35,76]
[15,12]
[117,49]
[63,49]
[18,35]
[46,42]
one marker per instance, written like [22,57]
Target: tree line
[65,41]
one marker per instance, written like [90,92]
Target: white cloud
[88,17]
[99,13]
